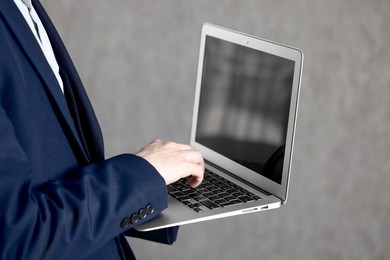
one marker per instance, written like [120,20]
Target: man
[60,198]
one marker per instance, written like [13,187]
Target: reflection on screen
[244,105]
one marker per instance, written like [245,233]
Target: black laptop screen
[244,105]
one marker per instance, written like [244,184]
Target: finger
[193,156]
[156,141]
[194,182]
[196,175]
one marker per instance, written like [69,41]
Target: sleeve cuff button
[125,223]
[142,213]
[134,218]
[149,209]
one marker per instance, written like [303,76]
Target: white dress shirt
[42,39]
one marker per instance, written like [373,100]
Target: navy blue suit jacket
[59,197]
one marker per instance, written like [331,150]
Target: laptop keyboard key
[198,210]
[209,204]
[245,199]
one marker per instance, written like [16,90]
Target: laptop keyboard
[214,192]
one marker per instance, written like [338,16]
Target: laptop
[244,119]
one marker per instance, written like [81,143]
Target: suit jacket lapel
[34,53]
[92,134]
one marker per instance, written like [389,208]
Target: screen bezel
[279,190]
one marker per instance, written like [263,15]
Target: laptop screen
[244,105]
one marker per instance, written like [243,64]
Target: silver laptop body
[244,120]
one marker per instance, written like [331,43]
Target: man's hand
[174,161]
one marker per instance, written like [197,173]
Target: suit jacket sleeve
[67,218]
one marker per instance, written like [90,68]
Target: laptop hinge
[237,178]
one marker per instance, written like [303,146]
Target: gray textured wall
[138,62]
